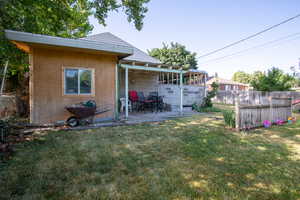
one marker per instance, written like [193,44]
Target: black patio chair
[158,101]
[145,103]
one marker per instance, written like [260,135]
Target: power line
[240,52]
[251,36]
[255,47]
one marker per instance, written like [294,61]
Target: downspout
[117,92]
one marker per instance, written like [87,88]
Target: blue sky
[206,25]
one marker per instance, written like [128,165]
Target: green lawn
[188,158]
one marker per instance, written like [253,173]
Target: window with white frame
[78,81]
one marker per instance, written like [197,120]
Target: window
[78,81]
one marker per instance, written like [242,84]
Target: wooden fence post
[291,104]
[237,113]
[271,109]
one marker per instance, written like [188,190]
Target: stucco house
[100,67]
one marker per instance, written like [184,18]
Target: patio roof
[156,69]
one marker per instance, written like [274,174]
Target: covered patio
[179,88]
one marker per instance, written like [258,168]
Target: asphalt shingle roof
[137,56]
[225,81]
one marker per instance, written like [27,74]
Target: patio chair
[133,97]
[122,106]
[158,101]
[145,103]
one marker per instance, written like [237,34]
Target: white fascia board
[67,42]
[197,71]
[156,69]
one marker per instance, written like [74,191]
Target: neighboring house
[101,67]
[228,85]
[297,89]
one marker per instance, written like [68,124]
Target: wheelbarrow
[84,112]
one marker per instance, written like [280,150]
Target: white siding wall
[191,94]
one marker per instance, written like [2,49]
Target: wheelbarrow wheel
[72,121]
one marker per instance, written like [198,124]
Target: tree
[57,18]
[176,55]
[207,101]
[242,77]
[64,18]
[274,80]
[134,9]
[296,74]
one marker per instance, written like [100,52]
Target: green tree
[207,101]
[274,80]
[68,18]
[242,77]
[64,18]
[175,54]
[296,74]
[134,9]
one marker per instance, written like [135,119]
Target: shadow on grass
[186,158]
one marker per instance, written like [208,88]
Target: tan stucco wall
[47,100]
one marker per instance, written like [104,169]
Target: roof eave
[66,42]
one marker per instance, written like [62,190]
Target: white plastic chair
[122,108]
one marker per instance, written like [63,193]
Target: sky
[206,25]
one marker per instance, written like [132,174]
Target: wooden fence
[228,97]
[253,112]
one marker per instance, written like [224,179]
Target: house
[100,67]
[228,85]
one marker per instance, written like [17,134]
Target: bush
[207,102]
[211,94]
[205,109]
[229,118]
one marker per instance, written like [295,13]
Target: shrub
[229,118]
[199,108]
[211,94]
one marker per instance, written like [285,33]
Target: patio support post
[181,93]
[204,85]
[126,92]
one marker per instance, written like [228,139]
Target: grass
[214,109]
[224,106]
[208,109]
[187,158]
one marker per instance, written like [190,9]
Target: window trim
[64,68]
